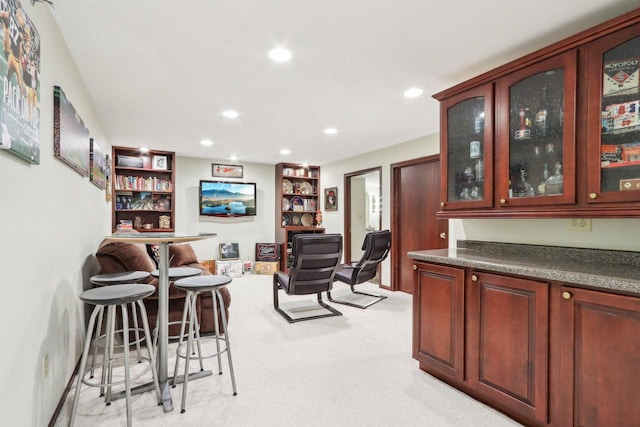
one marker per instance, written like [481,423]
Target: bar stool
[112,297]
[175,273]
[194,286]
[109,279]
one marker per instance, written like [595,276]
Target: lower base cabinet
[600,358]
[546,354]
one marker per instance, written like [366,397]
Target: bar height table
[163,240]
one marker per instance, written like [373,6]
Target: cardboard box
[231,268]
[266,267]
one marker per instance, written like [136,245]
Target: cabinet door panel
[438,319]
[508,342]
[613,117]
[536,137]
[467,139]
[600,336]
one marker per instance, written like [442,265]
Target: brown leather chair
[115,257]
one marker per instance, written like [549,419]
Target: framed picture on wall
[70,135]
[331,199]
[226,171]
[98,166]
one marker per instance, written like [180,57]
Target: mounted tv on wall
[227,199]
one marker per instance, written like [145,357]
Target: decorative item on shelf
[160,163]
[227,171]
[287,186]
[286,220]
[554,184]
[331,199]
[318,218]
[297,188]
[307,219]
[229,251]
[137,222]
[474,149]
[148,226]
[297,204]
[295,220]
[165,221]
[306,188]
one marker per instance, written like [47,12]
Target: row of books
[138,183]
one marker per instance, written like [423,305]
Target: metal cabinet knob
[593,196]
[474,278]
[503,201]
[415,267]
[442,204]
[443,236]
[566,295]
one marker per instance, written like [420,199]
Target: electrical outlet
[45,365]
[580,224]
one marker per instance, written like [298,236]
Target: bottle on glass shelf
[524,132]
[543,117]
[522,188]
[554,184]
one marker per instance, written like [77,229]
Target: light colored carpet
[352,370]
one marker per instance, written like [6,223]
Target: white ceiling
[161,72]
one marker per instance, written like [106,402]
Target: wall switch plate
[580,224]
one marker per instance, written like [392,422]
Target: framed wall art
[70,135]
[331,199]
[226,171]
[229,251]
[98,165]
[20,91]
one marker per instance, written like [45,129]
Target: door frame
[395,226]
[347,207]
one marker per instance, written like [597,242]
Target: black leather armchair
[376,248]
[316,258]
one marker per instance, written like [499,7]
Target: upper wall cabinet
[614,117]
[467,140]
[553,134]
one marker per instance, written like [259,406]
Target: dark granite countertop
[594,268]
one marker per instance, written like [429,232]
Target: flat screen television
[227,199]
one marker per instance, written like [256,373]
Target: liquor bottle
[555,183]
[543,117]
[522,188]
[524,132]
[545,175]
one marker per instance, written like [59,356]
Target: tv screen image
[227,199]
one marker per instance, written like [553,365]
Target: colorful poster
[620,77]
[20,88]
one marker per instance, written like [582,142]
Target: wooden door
[600,358]
[507,336]
[415,199]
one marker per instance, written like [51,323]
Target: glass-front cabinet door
[467,145]
[535,152]
[613,153]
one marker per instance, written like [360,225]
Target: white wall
[245,231]
[52,221]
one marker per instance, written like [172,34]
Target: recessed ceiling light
[206,142]
[280,54]
[413,92]
[144,149]
[285,152]
[230,114]
[331,131]
[233,158]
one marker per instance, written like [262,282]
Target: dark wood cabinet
[297,203]
[438,321]
[508,343]
[142,189]
[544,353]
[564,134]
[599,359]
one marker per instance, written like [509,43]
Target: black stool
[112,297]
[194,286]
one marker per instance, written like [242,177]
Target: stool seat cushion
[179,272]
[117,294]
[202,283]
[119,277]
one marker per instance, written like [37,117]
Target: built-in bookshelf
[143,189]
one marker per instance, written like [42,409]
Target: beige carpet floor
[352,370]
